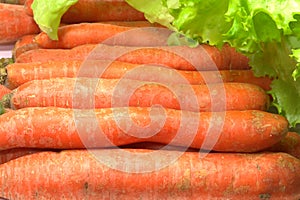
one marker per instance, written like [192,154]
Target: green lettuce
[268,32]
[47,14]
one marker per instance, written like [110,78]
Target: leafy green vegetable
[3,74]
[47,14]
[296,72]
[2,109]
[268,32]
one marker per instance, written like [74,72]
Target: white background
[6,51]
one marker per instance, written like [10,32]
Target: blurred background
[6,50]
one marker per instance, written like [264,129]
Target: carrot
[27,7]
[10,154]
[63,128]
[96,11]
[3,91]
[44,55]
[204,57]
[289,144]
[15,23]
[25,43]
[70,36]
[79,175]
[17,74]
[64,92]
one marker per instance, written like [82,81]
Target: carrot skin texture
[97,11]
[45,55]
[20,73]
[27,7]
[118,10]
[217,176]
[3,91]
[25,43]
[289,144]
[204,57]
[73,35]
[70,36]
[15,23]
[242,130]
[62,92]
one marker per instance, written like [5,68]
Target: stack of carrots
[69,103]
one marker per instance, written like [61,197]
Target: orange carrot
[96,11]
[15,23]
[20,73]
[70,36]
[63,128]
[3,91]
[61,92]
[25,43]
[79,175]
[204,57]
[289,144]
[73,35]
[10,154]
[27,7]
[44,55]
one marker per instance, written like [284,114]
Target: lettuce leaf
[268,32]
[47,14]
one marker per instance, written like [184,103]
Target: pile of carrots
[74,107]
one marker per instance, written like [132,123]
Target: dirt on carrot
[20,73]
[78,174]
[62,128]
[105,93]
[204,57]
[72,35]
